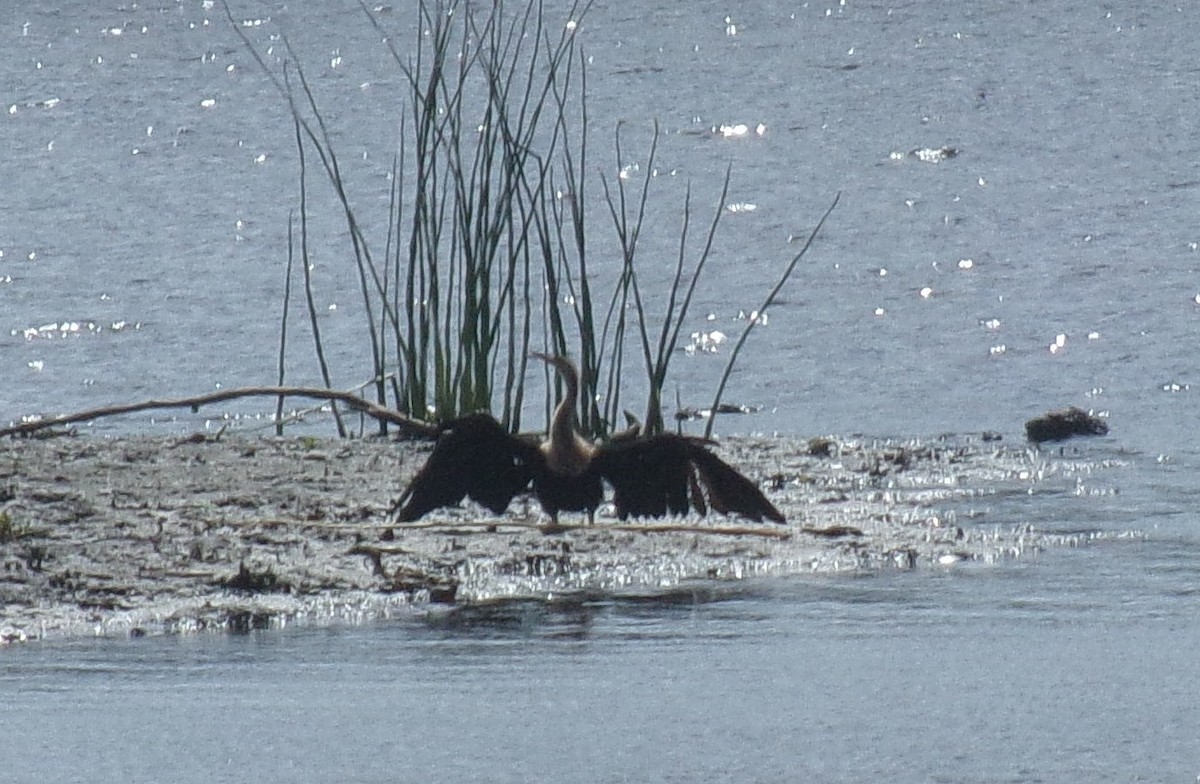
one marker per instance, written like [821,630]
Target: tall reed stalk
[486,255]
[757,315]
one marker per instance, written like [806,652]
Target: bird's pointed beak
[560,364]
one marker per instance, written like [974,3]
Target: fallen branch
[718,530]
[468,527]
[832,532]
[406,425]
[637,528]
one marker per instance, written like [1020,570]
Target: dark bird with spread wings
[651,476]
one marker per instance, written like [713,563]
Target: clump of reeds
[486,257]
[9,530]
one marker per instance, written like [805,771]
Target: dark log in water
[1061,425]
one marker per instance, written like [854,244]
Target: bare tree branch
[406,425]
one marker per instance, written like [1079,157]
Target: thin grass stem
[757,315]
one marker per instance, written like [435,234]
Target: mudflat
[146,535]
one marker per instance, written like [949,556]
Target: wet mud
[134,536]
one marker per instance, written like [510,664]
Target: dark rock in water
[1060,425]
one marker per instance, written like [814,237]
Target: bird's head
[558,362]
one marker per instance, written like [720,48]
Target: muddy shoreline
[149,535]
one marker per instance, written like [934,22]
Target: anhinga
[651,476]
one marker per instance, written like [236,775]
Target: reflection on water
[577,616]
[909,677]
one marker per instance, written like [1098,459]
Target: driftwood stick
[492,526]
[717,530]
[776,532]
[406,425]
[832,531]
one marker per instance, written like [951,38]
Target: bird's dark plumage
[651,476]
[476,457]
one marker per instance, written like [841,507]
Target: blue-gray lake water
[148,174]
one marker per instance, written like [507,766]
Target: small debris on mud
[264,581]
[833,531]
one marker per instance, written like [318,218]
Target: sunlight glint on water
[1072,193]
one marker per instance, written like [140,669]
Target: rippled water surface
[148,176]
[152,167]
[1011,674]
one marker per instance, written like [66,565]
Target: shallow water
[153,225]
[1016,673]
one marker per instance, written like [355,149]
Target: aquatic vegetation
[488,253]
[9,530]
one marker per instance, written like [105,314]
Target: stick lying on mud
[490,526]
[406,425]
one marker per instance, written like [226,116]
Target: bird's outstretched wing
[665,474]
[729,492]
[474,456]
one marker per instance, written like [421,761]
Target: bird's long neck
[566,451]
[564,425]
